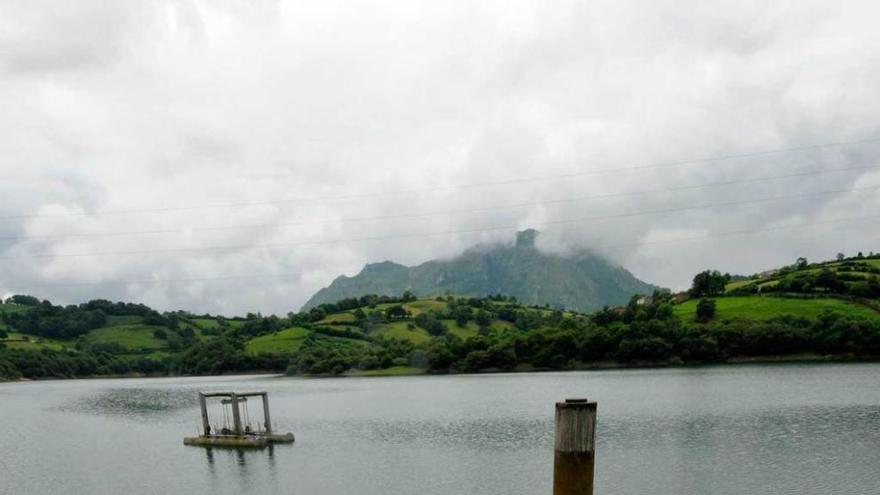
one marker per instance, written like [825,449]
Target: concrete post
[206,428]
[575,447]
[267,419]
[236,414]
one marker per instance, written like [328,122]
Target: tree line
[509,335]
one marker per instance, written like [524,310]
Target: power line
[156,281]
[733,233]
[431,234]
[439,213]
[609,171]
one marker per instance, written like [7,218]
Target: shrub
[705,310]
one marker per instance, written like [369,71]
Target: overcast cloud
[120,117]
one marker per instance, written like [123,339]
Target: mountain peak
[382,266]
[526,238]
[580,281]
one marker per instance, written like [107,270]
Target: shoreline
[413,371]
[613,365]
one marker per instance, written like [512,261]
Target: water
[785,429]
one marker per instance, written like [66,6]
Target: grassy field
[113,321]
[469,330]
[206,323]
[134,337]
[344,341]
[12,308]
[763,308]
[287,340]
[400,330]
[423,305]
[31,342]
[738,284]
[772,280]
[338,318]
[210,323]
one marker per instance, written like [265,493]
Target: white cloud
[133,106]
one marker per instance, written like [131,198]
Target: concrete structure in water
[237,436]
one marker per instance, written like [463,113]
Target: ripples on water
[481,433]
[134,402]
[804,430]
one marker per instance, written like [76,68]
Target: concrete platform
[276,438]
[232,441]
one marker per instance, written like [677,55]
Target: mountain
[582,281]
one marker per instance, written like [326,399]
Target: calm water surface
[785,429]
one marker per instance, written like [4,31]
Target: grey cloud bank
[114,114]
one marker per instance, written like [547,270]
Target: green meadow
[766,307]
[283,341]
[132,337]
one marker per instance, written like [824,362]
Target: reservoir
[755,429]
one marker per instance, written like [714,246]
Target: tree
[439,356]
[705,310]
[709,283]
[359,315]
[431,323]
[483,318]
[408,296]
[160,333]
[840,256]
[801,263]
[173,321]
[462,314]
[643,349]
[23,300]
[873,287]
[396,312]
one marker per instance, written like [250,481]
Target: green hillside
[22,341]
[132,337]
[818,309]
[284,341]
[769,307]
[857,277]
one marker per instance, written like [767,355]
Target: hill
[582,281]
[764,308]
[826,309]
[856,277]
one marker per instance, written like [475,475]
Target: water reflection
[209,455]
[239,458]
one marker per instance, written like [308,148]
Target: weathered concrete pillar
[206,428]
[267,419]
[575,447]
[236,414]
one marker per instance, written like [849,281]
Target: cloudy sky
[234,156]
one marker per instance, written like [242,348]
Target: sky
[235,156]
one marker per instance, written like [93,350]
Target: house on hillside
[645,300]
[680,297]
